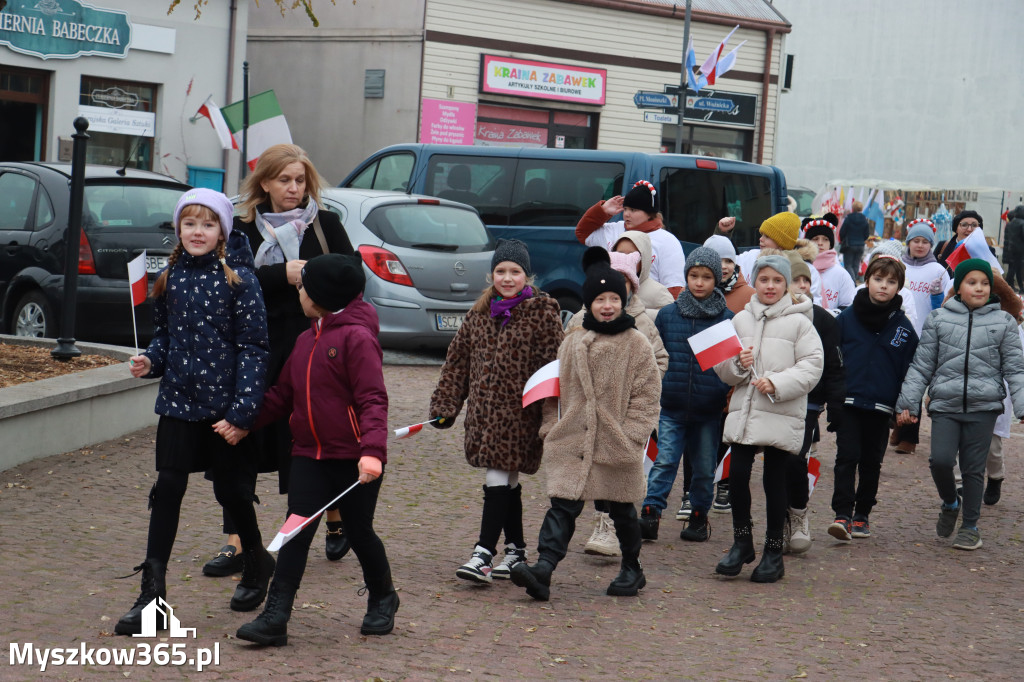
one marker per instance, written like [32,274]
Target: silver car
[426,261]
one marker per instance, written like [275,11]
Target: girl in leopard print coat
[512,331]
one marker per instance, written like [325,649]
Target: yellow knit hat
[783,229]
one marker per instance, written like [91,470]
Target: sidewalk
[902,605]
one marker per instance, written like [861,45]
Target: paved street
[899,606]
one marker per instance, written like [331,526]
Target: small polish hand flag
[974,246]
[722,472]
[715,344]
[650,455]
[137,278]
[212,112]
[543,384]
[407,431]
[292,525]
[813,473]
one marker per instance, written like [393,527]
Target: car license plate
[155,264]
[449,322]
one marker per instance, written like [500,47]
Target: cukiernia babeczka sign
[64,29]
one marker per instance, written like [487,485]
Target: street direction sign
[648,99]
[658,117]
[710,104]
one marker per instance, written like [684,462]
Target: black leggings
[232,492]
[313,484]
[774,480]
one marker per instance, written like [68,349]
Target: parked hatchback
[125,212]
[426,261]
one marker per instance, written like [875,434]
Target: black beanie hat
[332,280]
[821,228]
[966,214]
[601,278]
[642,197]
[514,251]
[595,254]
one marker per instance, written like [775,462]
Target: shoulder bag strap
[320,234]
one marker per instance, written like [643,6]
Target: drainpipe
[230,85]
[765,83]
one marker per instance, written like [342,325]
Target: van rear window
[507,191]
[694,200]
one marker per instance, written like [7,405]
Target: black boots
[770,569]
[698,529]
[271,627]
[257,569]
[992,491]
[154,574]
[741,552]
[536,579]
[337,542]
[380,606]
[650,519]
[630,579]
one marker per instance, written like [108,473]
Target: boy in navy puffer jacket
[333,388]
[692,400]
[878,346]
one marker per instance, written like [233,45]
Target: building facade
[548,73]
[136,73]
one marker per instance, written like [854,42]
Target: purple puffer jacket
[333,387]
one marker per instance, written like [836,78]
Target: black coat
[831,388]
[1013,240]
[285,321]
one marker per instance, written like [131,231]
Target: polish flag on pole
[650,455]
[295,523]
[715,344]
[212,112]
[722,472]
[138,285]
[813,473]
[708,67]
[543,384]
[407,431]
[724,64]
[974,246]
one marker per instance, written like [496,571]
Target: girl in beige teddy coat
[594,440]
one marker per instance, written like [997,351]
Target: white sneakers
[603,540]
[478,568]
[799,531]
[513,556]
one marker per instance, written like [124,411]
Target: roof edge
[675,12]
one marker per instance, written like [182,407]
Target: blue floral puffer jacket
[210,345]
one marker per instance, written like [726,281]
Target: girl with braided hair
[210,352]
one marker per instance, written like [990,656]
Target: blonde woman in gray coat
[781,362]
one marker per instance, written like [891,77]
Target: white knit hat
[722,245]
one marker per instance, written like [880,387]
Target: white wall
[924,91]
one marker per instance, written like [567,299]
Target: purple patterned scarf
[502,307]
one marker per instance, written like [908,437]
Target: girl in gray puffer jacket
[968,348]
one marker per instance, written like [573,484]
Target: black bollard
[66,348]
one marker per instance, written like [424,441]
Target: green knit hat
[970,265]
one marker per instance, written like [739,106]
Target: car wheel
[33,316]
[570,305]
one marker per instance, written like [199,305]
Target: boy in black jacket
[878,344]
[831,389]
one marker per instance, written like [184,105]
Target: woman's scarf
[929,257]
[727,285]
[873,316]
[617,326]
[825,260]
[282,233]
[502,307]
[689,305]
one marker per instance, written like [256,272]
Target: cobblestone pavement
[899,606]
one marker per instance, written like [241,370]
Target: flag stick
[135,330]
[754,372]
[317,515]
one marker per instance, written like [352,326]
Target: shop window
[504,126]
[24,94]
[723,143]
[111,148]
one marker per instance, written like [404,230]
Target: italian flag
[267,126]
